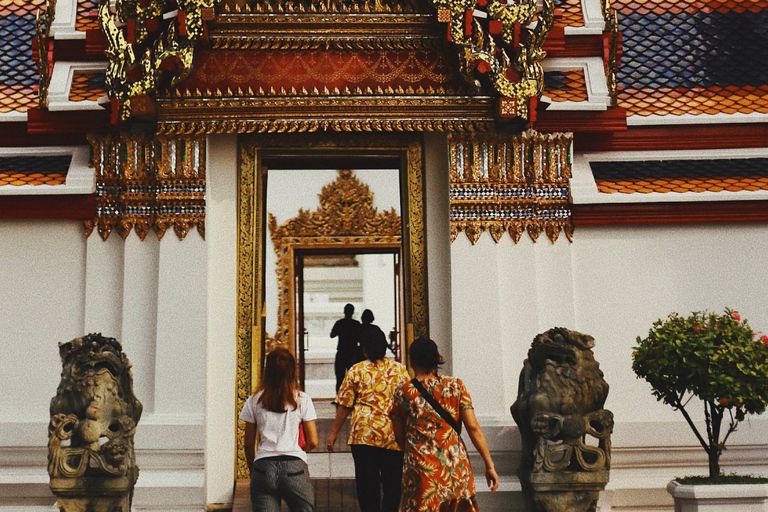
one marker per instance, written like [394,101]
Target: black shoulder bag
[426,395]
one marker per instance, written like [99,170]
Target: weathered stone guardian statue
[559,406]
[91,462]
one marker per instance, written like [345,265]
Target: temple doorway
[310,207]
[326,283]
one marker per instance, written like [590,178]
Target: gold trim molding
[346,218]
[510,183]
[252,235]
[287,114]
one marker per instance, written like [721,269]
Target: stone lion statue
[560,402]
[91,460]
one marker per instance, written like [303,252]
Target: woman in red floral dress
[437,475]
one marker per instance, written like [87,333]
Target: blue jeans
[283,478]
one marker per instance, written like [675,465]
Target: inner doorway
[326,283]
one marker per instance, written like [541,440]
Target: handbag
[302,439]
[426,395]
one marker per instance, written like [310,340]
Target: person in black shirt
[347,350]
[370,332]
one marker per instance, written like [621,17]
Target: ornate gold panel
[346,219]
[252,236]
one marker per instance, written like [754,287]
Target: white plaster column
[477,337]
[221,343]
[139,325]
[181,328]
[104,285]
[438,240]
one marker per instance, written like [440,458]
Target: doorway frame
[252,234]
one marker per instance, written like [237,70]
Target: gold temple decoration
[252,240]
[510,183]
[159,39]
[612,66]
[500,56]
[42,32]
[146,182]
[346,218]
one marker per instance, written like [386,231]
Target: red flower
[671,314]
[736,316]
[696,327]
[724,402]
[764,339]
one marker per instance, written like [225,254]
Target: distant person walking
[347,349]
[370,331]
[427,416]
[278,409]
[367,393]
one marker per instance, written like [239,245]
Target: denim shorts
[281,478]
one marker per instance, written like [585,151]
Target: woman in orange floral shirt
[437,475]
[367,392]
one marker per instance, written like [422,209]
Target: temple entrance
[326,283]
[311,205]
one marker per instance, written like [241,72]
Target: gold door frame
[252,239]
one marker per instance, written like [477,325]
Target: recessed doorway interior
[316,275]
[329,281]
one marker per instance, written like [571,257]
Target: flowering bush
[717,358]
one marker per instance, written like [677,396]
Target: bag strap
[426,395]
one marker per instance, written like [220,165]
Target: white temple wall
[611,283]
[57,285]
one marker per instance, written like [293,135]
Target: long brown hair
[278,382]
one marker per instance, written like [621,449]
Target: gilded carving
[248,243]
[42,32]
[494,54]
[346,217]
[156,46]
[252,190]
[94,414]
[146,183]
[515,184]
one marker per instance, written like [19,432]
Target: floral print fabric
[437,475]
[367,389]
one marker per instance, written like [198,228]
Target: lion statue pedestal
[91,461]
[559,403]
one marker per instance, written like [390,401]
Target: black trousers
[376,470]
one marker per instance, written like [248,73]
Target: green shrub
[717,358]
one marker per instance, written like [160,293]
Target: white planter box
[719,498]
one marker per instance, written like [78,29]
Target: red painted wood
[647,214]
[613,119]
[15,135]
[88,121]
[75,206]
[648,138]
[576,46]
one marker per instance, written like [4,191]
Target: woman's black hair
[375,348]
[424,354]
[367,316]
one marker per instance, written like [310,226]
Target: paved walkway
[331,495]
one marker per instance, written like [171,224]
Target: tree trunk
[714,462]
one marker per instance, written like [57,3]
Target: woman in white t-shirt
[276,410]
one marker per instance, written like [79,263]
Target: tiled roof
[573,16]
[733,175]
[34,170]
[567,85]
[18,73]
[87,85]
[87,15]
[693,57]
